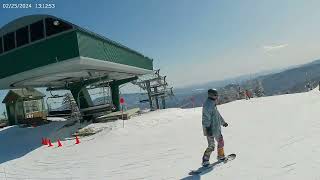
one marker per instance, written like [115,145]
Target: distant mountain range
[292,79]
[221,83]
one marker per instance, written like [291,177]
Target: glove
[209,131]
[225,125]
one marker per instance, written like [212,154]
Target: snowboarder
[211,123]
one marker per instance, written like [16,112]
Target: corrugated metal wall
[94,47]
[39,54]
[66,46]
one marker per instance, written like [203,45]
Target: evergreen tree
[259,91]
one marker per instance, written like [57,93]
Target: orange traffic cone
[49,143]
[77,140]
[59,143]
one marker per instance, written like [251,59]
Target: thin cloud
[274,47]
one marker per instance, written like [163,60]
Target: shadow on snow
[17,142]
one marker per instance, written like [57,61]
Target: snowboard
[230,157]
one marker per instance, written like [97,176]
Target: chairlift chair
[57,113]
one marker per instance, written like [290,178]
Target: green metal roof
[56,57]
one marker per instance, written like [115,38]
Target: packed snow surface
[274,138]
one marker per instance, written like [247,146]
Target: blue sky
[194,42]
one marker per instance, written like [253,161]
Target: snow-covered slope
[274,138]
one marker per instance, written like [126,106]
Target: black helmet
[213,92]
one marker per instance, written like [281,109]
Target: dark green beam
[123,81]
[115,90]
[115,96]
[84,100]
[95,80]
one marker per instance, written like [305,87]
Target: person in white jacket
[211,123]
